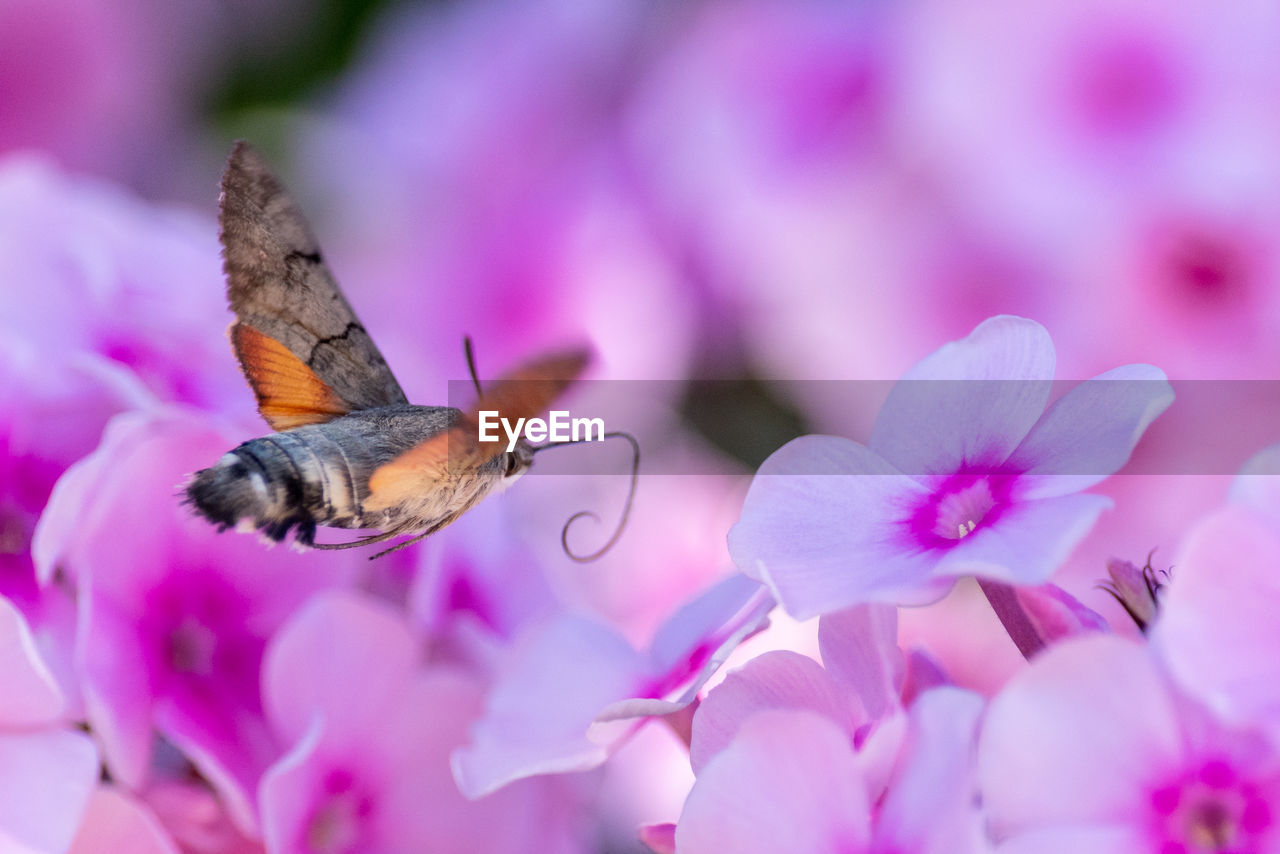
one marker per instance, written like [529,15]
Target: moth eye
[511,465]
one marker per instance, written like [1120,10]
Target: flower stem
[1022,631]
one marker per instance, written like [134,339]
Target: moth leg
[360,541]
[419,537]
[398,546]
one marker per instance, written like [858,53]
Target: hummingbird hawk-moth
[350,451]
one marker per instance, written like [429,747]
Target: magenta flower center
[336,824]
[13,534]
[1211,812]
[958,506]
[959,513]
[203,653]
[192,645]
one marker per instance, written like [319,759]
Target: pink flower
[113,312]
[55,413]
[793,781]
[966,473]
[173,618]
[370,729]
[114,283]
[1217,616]
[49,769]
[1096,91]
[858,685]
[789,782]
[124,89]
[49,776]
[1054,614]
[570,689]
[1093,748]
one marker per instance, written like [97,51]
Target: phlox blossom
[966,473]
[370,727]
[844,756]
[570,689]
[1170,747]
[857,686]
[792,780]
[1093,748]
[1217,625]
[50,769]
[113,286]
[173,618]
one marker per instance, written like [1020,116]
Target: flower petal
[117,693]
[1097,712]
[860,649]
[819,525]
[1030,540]
[932,804]
[1090,433]
[687,651]
[1258,484]
[775,680]
[288,788]
[1057,615]
[48,779]
[341,653]
[1072,840]
[698,620]
[29,694]
[540,708]
[971,402]
[659,838]
[789,782]
[1218,613]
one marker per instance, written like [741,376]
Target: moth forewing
[349,451]
[278,285]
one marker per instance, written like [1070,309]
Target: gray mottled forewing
[277,283]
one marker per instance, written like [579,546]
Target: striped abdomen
[319,475]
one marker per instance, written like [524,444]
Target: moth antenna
[471,364]
[626,509]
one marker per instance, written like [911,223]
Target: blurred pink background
[743,190]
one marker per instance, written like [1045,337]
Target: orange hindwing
[289,393]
